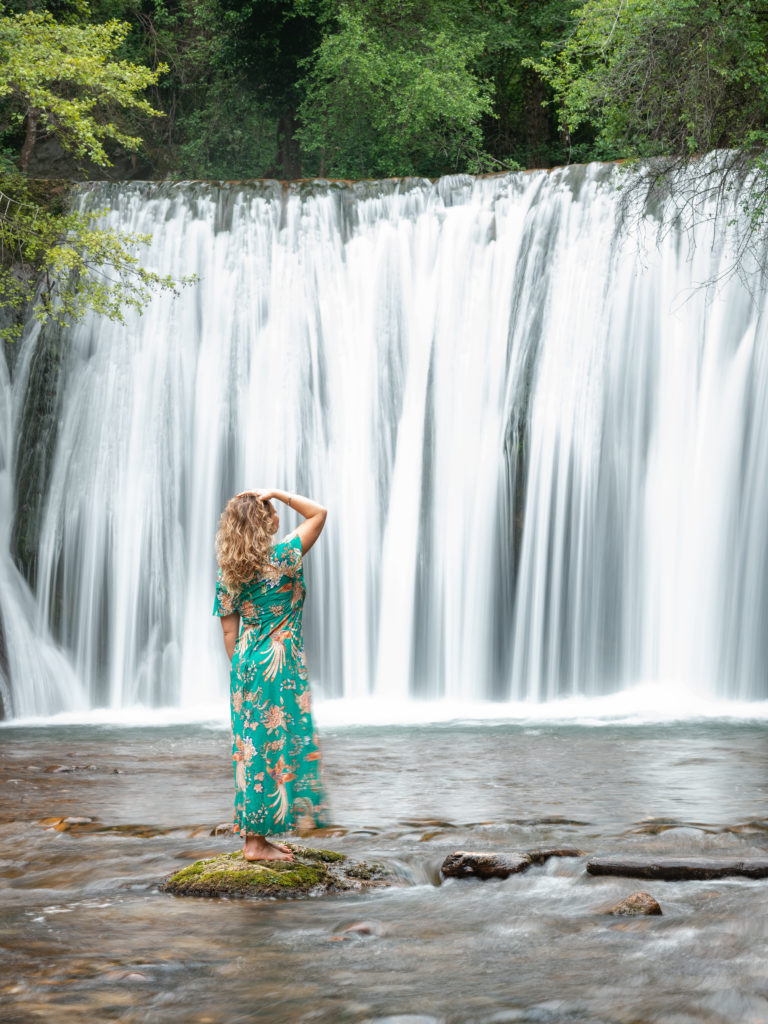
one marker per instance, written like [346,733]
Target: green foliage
[671,77]
[392,92]
[67,79]
[226,135]
[233,83]
[341,87]
[63,263]
[522,130]
[67,76]
[672,80]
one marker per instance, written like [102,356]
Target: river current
[85,934]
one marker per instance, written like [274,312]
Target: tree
[665,76]
[65,79]
[522,128]
[670,80]
[265,44]
[392,92]
[63,262]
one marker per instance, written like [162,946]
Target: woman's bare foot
[259,848]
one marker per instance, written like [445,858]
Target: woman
[275,748]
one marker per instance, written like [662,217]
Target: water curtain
[543,447]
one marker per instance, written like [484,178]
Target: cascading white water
[36,677]
[545,453]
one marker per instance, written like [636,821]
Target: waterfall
[543,448]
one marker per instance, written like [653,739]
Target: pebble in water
[638,904]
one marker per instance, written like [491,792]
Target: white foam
[648,703]
[645,704]
[215,715]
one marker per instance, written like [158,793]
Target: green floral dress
[275,749]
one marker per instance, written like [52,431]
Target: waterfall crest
[543,448]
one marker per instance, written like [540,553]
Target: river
[87,935]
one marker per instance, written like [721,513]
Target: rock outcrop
[311,873]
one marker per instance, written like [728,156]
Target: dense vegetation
[343,88]
[286,88]
[355,88]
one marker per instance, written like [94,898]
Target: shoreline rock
[311,873]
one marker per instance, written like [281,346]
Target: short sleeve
[225,602]
[293,546]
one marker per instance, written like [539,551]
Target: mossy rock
[310,873]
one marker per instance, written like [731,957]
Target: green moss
[311,871]
[194,869]
[326,856]
[367,872]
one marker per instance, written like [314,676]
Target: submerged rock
[638,904]
[463,864]
[360,929]
[225,829]
[540,856]
[679,869]
[310,873]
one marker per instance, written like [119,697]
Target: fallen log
[679,869]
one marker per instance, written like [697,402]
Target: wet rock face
[312,872]
[639,904]
[679,869]
[463,864]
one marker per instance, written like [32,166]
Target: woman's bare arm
[314,515]
[230,625]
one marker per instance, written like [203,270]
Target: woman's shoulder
[287,552]
[283,559]
[290,540]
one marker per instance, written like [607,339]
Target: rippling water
[85,934]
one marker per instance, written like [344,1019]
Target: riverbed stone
[679,869]
[540,856]
[311,873]
[465,864]
[637,904]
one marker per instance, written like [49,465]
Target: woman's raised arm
[314,514]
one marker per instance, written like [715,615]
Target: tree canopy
[392,92]
[663,77]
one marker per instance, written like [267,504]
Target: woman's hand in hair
[263,494]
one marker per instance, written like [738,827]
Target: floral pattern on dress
[275,750]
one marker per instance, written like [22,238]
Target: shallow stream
[85,935]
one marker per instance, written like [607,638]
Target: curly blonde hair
[243,539]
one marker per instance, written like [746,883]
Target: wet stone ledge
[310,873]
[466,864]
[679,869]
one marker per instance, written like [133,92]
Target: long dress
[275,749]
